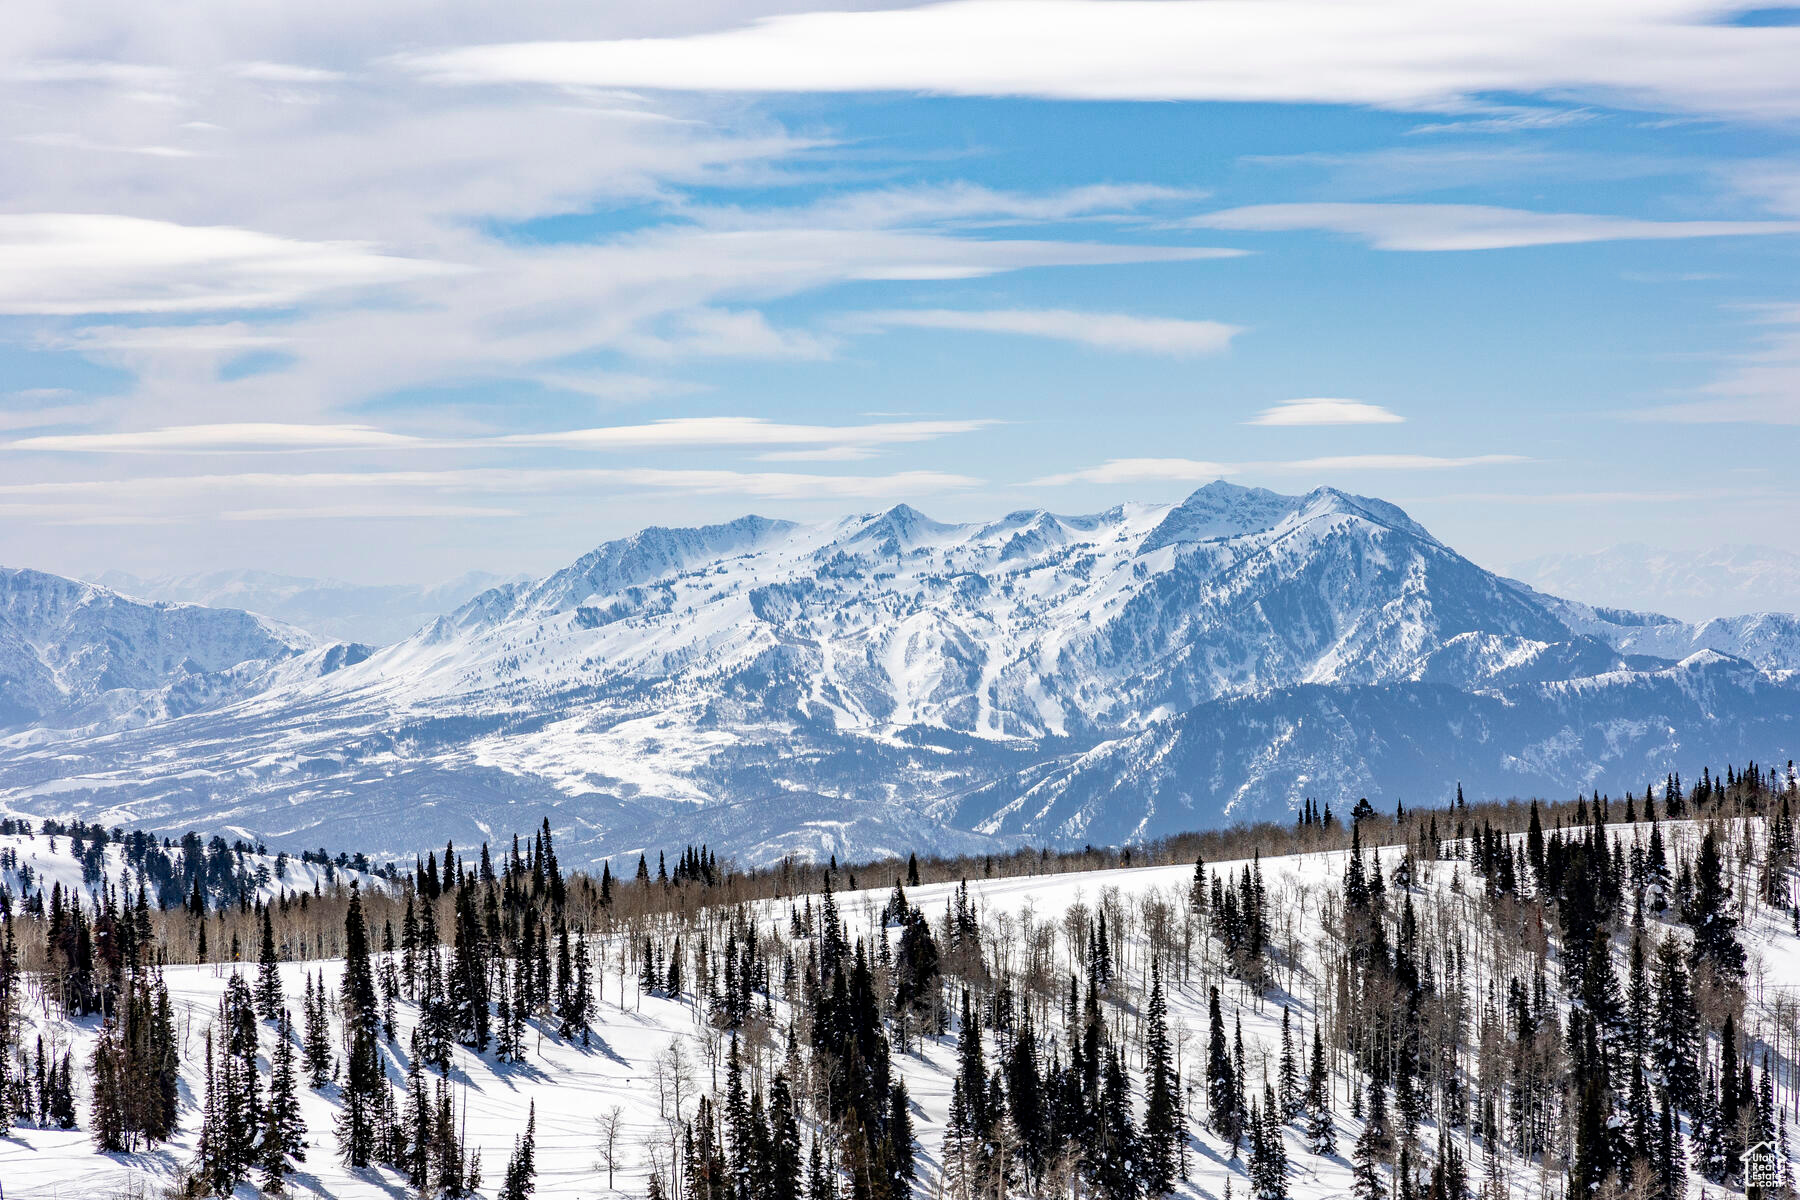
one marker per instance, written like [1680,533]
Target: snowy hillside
[610,1108]
[887,680]
[74,654]
[33,864]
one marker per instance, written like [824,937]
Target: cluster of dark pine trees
[1606,1043]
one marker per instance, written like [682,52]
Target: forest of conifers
[1588,998]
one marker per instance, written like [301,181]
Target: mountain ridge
[829,688]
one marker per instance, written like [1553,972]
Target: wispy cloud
[205,496]
[1405,54]
[1178,337]
[1469,226]
[1323,411]
[1188,470]
[1760,386]
[74,141]
[248,437]
[274,72]
[693,432]
[78,263]
[959,204]
[673,433]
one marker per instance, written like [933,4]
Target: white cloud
[210,338]
[74,263]
[690,432]
[1409,54]
[826,441]
[1469,226]
[205,496]
[960,204]
[1187,470]
[273,72]
[1322,411]
[246,437]
[1108,331]
[74,141]
[726,333]
[367,512]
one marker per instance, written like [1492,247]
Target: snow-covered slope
[373,614]
[886,679]
[37,863]
[640,1038]
[72,653]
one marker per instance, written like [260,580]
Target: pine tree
[1113,1160]
[1321,1129]
[61,1108]
[284,1130]
[1668,1162]
[317,1043]
[469,974]
[1674,1042]
[1292,1096]
[784,1142]
[1365,1172]
[268,973]
[1163,1130]
[1025,1103]
[1221,1079]
[1268,1157]
[1716,946]
[521,1169]
[365,1080]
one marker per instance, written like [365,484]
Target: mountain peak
[1221,510]
[1323,500]
[903,523]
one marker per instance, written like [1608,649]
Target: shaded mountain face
[889,682]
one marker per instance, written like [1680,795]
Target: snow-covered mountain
[74,654]
[885,681]
[373,614]
[1696,585]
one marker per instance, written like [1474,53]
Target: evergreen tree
[365,1080]
[469,973]
[521,1169]
[1365,1172]
[784,1142]
[1163,1131]
[1268,1157]
[1292,1096]
[1221,1079]
[1321,1128]
[317,1043]
[1026,1107]
[1716,946]
[268,973]
[284,1130]
[1674,1043]
[1113,1163]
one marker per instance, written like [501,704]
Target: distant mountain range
[886,682]
[376,614]
[1695,585]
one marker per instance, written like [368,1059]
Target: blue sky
[389,295]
